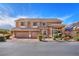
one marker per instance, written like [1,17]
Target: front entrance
[45,33]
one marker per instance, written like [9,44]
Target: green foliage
[2,39]
[57,35]
[4,31]
[7,36]
[67,37]
[77,38]
[77,32]
[40,38]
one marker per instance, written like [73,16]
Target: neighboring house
[31,27]
[72,29]
[75,28]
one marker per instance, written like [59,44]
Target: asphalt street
[39,48]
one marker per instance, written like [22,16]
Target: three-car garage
[26,34]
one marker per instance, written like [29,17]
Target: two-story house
[31,27]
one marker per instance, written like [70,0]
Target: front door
[45,33]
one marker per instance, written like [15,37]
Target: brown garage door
[22,34]
[34,34]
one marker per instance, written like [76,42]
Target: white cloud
[65,17]
[7,20]
[22,16]
[11,21]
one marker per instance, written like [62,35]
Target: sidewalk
[23,40]
[37,40]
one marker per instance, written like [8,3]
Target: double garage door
[32,34]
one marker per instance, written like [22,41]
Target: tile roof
[40,19]
[28,29]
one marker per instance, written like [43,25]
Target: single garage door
[34,34]
[22,34]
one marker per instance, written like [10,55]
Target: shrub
[67,37]
[40,38]
[59,35]
[7,36]
[2,39]
[56,36]
[77,38]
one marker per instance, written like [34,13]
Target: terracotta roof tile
[40,19]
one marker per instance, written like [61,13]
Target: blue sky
[67,12]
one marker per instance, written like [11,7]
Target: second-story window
[43,24]
[35,24]
[22,23]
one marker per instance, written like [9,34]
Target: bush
[40,38]
[57,36]
[7,36]
[77,38]
[2,39]
[67,37]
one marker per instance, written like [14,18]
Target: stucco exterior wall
[34,32]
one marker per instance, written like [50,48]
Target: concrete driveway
[24,48]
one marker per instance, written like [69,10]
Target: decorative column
[30,35]
[50,32]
